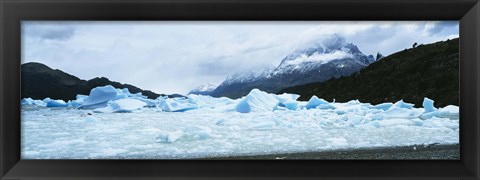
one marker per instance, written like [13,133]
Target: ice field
[111,123]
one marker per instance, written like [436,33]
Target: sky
[177,56]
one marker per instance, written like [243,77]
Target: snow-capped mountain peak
[248,76]
[329,57]
[322,51]
[205,89]
[324,45]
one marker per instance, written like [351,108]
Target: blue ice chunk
[383,106]
[352,102]
[81,97]
[26,101]
[288,100]
[74,103]
[428,105]
[99,97]
[77,102]
[176,104]
[314,102]
[126,105]
[257,101]
[121,96]
[449,111]
[397,112]
[429,115]
[56,103]
[243,107]
[290,104]
[325,106]
[402,104]
[149,102]
[30,101]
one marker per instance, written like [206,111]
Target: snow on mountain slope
[248,76]
[331,48]
[203,89]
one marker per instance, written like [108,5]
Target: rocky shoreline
[416,152]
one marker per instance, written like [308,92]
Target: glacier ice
[289,101]
[55,103]
[397,112]
[316,102]
[30,101]
[110,120]
[428,105]
[122,106]
[401,104]
[449,111]
[176,105]
[99,97]
[148,102]
[27,101]
[384,106]
[289,104]
[257,101]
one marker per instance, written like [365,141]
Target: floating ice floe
[99,97]
[122,106]
[54,103]
[288,101]
[428,105]
[449,111]
[257,101]
[179,104]
[401,104]
[315,102]
[30,101]
[383,106]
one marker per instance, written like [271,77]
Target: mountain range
[330,57]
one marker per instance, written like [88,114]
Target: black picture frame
[12,12]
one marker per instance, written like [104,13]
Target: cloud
[434,28]
[51,31]
[320,58]
[219,66]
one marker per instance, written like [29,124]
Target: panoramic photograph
[240,90]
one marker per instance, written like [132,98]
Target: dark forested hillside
[425,71]
[40,81]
